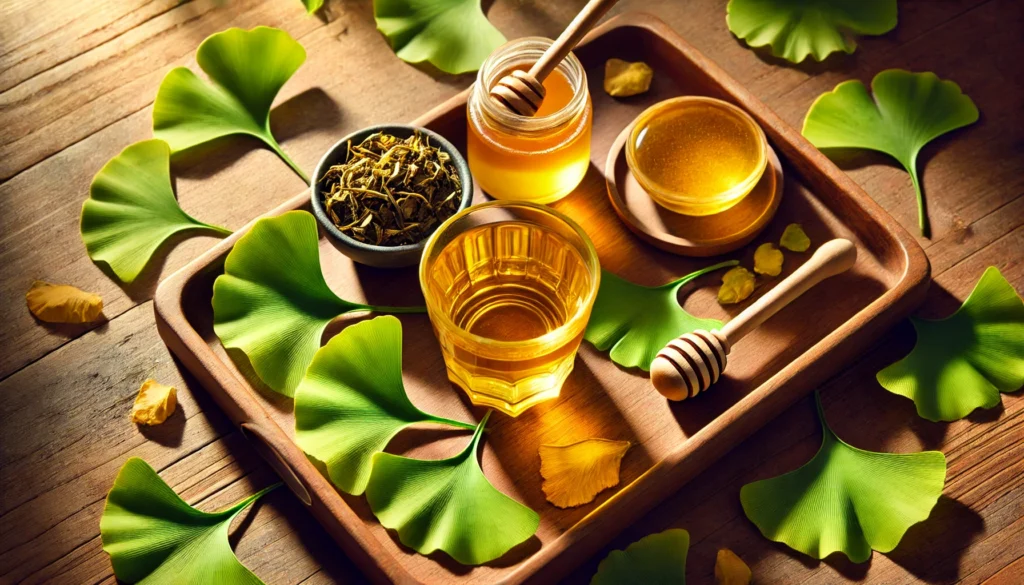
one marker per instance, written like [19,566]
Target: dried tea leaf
[636,321]
[846,499]
[131,210]
[574,474]
[794,238]
[272,301]
[656,559]
[768,260]
[247,68]
[453,35]
[730,569]
[624,79]
[908,111]
[154,403]
[62,303]
[798,28]
[391,191]
[352,401]
[448,505]
[964,361]
[737,285]
[154,537]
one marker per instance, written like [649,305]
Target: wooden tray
[782,361]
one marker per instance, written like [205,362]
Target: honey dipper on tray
[691,363]
[523,91]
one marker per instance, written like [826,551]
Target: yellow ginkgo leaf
[623,79]
[62,303]
[574,474]
[768,260]
[737,284]
[795,239]
[154,403]
[730,569]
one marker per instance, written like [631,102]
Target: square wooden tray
[782,361]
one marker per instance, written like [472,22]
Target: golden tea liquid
[697,156]
[540,158]
[514,298]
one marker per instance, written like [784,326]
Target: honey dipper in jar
[691,363]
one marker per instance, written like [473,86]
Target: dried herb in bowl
[391,191]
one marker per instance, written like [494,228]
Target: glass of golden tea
[696,155]
[509,287]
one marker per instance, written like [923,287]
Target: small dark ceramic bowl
[382,256]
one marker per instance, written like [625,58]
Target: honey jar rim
[673,199]
[590,260]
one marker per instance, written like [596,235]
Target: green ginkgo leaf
[448,505]
[247,69]
[908,111]
[637,321]
[272,302]
[798,28]
[131,210]
[964,361]
[352,402]
[846,499]
[656,559]
[154,537]
[453,35]
[312,5]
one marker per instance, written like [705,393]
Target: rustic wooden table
[77,82]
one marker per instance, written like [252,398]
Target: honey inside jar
[540,158]
[697,156]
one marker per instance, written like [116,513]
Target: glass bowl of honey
[509,287]
[696,155]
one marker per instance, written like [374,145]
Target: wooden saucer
[687,235]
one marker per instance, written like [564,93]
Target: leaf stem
[677,284]
[272,143]
[250,499]
[922,212]
[452,423]
[479,431]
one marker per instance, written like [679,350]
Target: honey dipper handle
[572,35]
[832,258]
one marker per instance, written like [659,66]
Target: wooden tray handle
[263,442]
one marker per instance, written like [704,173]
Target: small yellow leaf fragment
[623,79]
[794,238]
[737,284]
[768,260]
[154,403]
[62,303]
[574,474]
[730,569]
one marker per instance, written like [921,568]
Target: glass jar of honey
[541,158]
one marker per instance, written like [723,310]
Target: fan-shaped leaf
[909,110]
[846,499]
[656,559]
[448,505]
[131,209]
[574,474]
[453,35]
[153,536]
[272,302]
[798,28]
[637,321]
[964,361]
[247,69]
[352,401]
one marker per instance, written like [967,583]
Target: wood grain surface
[76,86]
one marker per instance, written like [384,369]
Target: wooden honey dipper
[523,91]
[692,362]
